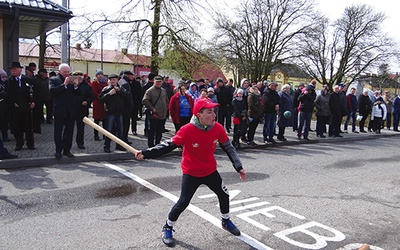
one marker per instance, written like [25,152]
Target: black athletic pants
[189,187]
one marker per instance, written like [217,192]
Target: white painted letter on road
[266,211]
[320,240]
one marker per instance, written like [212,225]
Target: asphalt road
[311,196]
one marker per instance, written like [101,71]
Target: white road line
[198,211]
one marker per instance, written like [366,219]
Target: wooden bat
[109,135]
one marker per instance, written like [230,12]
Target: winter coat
[388,102]
[336,106]
[174,107]
[343,100]
[352,104]
[307,101]
[99,112]
[65,99]
[271,99]
[296,101]
[396,105]
[137,95]
[224,96]
[364,105]
[115,104]
[255,109]
[126,83]
[379,110]
[239,107]
[22,97]
[194,93]
[285,104]
[86,94]
[43,83]
[151,102]
[322,105]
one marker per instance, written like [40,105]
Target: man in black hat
[84,101]
[125,82]
[137,95]
[22,95]
[42,80]
[32,67]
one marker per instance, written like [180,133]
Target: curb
[119,156]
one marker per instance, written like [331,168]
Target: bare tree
[352,44]
[263,33]
[167,24]
[384,79]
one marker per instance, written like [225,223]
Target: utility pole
[65,37]
[101,51]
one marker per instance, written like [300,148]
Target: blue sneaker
[230,227]
[167,235]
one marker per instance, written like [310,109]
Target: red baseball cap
[203,103]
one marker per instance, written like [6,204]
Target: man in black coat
[224,96]
[337,109]
[296,103]
[65,92]
[271,107]
[42,80]
[22,95]
[137,96]
[84,101]
[125,82]
[364,108]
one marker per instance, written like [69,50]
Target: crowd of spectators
[118,101]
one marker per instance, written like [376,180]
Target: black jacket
[239,108]
[296,101]
[125,83]
[364,105]
[85,94]
[270,98]
[224,96]
[65,99]
[336,106]
[115,104]
[307,101]
[23,96]
[137,95]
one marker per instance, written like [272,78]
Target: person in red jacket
[99,113]
[181,108]
[199,141]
